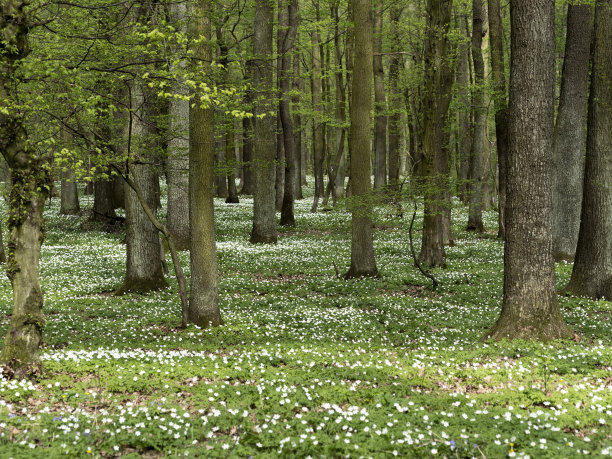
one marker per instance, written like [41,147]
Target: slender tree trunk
[501,106]
[297,128]
[476,157]
[317,130]
[230,160]
[570,139]
[178,150]
[363,262]
[287,214]
[26,201]
[380,103]
[395,119]
[264,154]
[69,201]
[530,308]
[435,108]
[204,295]
[592,273]
[143,252]
[248,183]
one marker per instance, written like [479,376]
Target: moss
[141,286]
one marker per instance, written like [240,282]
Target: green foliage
[307,364]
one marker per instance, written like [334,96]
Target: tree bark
[297,128]
[143,252]
[363,262]
[317,129]
[26,201]
[264,154]
[380,103]
[287,214]
[570,138]
[204,296]
[178,148]
[501,106]
[435,105]
[476,157]
[592,273]
[530,308]
[395,126]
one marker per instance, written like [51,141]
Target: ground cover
[307,364]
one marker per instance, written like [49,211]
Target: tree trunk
[570,139]
[103,207]
[592,273]
[178,149]
[380,103]
[264,154]
[31,183]
[248,183]
[395,121]
[204,297]
[435,105]
[230,164]
[143,260]
[297,128]
[501,106]
[317,129]
[530,308]
[476,157]
[289,20]
[363,262]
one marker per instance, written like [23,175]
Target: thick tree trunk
[476,157]
[380,103]
[435,105]
[143,252]
[264,154]
[363,262]
[530,308]
[290,22]
[317,129]
[178,149]
[204,297]
[570,139]
[464,115]
[69,204]
[501,106]
[592,273]
[248,179]
[103,207]
[26,202]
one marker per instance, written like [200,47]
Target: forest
[325,228]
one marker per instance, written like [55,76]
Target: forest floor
[307,364]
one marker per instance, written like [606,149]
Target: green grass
[307,364]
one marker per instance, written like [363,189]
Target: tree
[264,146]
[530,307]
[435,105]
[289,22]
[31,182]
[204,297]
[380,119]
[143,251]
[318,141]
[570,138]
[69,201]
[476,156]
[501,105]
[177,161]
[592,273]
[363,262]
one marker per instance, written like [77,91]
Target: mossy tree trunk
[363,262]
[570,138]
[530,307]
[203,308]
[592,273]
[30,185]
[380,102]
[395,126]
